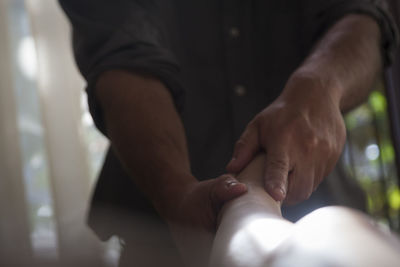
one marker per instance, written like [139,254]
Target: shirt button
[234,32]
[240,90]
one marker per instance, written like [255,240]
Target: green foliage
[378,102]
[366,125]
[387,153]
[394,198]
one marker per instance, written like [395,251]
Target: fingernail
[231,183]
[235,186]
[281,191]
[277,189]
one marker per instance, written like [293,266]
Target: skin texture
[302,131]
[305,126]
[147,135]
[253,233]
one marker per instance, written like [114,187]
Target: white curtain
[14,230]
[64,128]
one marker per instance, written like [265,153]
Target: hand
[302,133]
[192,215]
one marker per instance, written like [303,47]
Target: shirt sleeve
[318,16]
[120,34]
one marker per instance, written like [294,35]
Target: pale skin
[302,132]
[253,233]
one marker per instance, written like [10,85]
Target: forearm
[253,233]
[346,62]
[303,129]
[146,132]
[251,226]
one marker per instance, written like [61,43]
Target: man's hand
[197,204]
[302,133]
[148,136]
[191,212]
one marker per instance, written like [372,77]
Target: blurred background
[50,152]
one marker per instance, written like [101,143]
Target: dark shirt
[222,60]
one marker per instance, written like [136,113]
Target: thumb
[276,175]
[223,189]
[245,149]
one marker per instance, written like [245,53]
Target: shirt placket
[238,68]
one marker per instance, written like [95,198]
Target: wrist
[309,88]
[171,195]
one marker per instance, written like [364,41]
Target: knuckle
[278,164]
[326,148]
[253,124]
[312,141]
[321,145]
[246,137]
[240,143]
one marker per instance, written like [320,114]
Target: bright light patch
[87,119]
[45,211]
[37,161]
[372,152]
[258,237]
[27,60]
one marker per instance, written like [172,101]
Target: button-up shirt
[222,60]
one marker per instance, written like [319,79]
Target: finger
[276,174]
[301,183]
[318,178]
[223,189]
[245,149]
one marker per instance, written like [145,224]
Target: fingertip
[232,188]
[226,189]
[230,167]
[276,191]
[231,182]
[237,188]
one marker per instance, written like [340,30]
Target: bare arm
[147,134]
[346,62]
[251,226]
[303,131]
[252,232]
